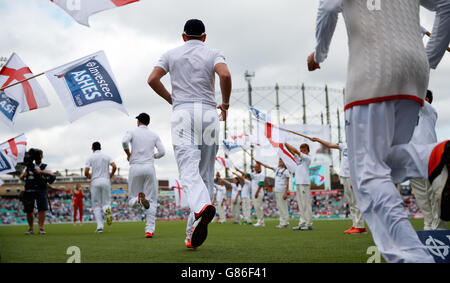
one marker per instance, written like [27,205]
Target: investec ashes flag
[86,85]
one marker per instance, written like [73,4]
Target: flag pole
[19,82]
[286,130]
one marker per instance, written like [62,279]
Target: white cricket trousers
[246,209]
[236,210]
[282,208]
[221,211]
[303,196]
[349,197]
[428,204]
[258,206]
[380,157]
[195,135]
[142,179]
[101,199]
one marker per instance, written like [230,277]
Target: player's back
[143,142]
[386,53]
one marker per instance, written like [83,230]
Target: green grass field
[226,243]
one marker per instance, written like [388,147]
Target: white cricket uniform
[303,185]
[440,35]
[142,176]
[100,184]
[195,123]
[246,204]
[258,202]
[281,178]
[220,197]
[424,133]
[349,195]
[387,79]
[236,195]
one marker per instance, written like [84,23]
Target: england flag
[81,10]
[28,94]
[224,162]
[180,194]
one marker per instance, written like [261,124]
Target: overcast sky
[270,37]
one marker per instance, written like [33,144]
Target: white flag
[28,94]
[86,85]
[180,194]
[80,10]
[15,148]
[8,109]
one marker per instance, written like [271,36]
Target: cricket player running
[387,78]
[425,133]
[195,125]
[100,184]
[349,196]
[142,177]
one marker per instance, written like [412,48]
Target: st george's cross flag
[8,109]
[28,94]
[81,10]
[180,194]
[86,85]
[14,149]
[224,162]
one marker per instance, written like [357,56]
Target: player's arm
[327,17]
[238,176]
[286,191]
[161,150]
[292,149]
[240,171]
[86,173]
[260,187]
[125,144]
[225,86]
[325,143]
[113,171]
[265,165]
[226,182]
[154,81]
[440,34]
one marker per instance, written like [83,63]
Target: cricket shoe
[108,216]
[282,226]
[354,230]
[187,241]
[439,177]
[259,225]
[142,201]
[29,232]
[148,235]
[42,232]
[98,231]
[199,230]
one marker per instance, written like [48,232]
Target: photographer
[36,175]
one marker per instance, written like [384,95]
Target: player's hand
[256,195]
[314,139]
[312,65]
[224,109]
[285,196]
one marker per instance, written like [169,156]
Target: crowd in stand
[11,209]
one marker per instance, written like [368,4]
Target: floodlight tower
[248,77]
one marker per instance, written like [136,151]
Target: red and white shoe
[439,177]
[354,230]
[142,201]
[187,241]
[148,235]
[199,230]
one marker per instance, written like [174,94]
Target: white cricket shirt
[245,192]
[235,189]
[257,180]
[424,132]
[99,164]
[281,177]
[220,192]
[302,170]
[191,68]
[143,142]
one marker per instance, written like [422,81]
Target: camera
[30,157]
